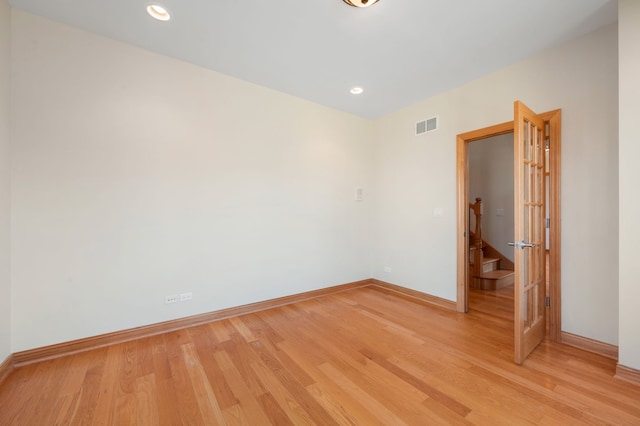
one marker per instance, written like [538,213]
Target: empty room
[319,212]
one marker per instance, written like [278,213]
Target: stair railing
[476,208]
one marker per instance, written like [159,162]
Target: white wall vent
[426,126]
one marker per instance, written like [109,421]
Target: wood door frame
[553,119]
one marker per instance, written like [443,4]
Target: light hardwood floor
[363,356]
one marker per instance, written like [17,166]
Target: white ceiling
[399,51]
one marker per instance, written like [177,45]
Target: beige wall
[491,178]
[137,176]
[629,40]
[414,175]
[5,284]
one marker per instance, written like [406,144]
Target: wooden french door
[529,245]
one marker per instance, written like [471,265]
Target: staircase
[488,268]
[492,274]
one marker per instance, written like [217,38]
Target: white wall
[5,283]
[137,176]
[414,175]
[629,40]
[491,178]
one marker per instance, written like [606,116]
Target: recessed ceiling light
[158,12]
[357,90]
[360,3]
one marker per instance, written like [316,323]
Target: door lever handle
[521,244]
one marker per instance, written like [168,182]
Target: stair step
[497,274]
[485,260]
[490,264]
[494,280]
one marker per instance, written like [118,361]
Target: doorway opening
[491,275]
[552,137]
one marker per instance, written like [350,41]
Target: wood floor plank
[294,368]
[105,409]
[445,415]
[379,411]
[241,328]
[236,416]
[259,328]
[221,333]
[179,385]
[596,407]
[381,385]
[550,406]
[243,357]
[332,405]
[474,392]
[274,411]
[144,357]
[146,401]
[165,386]
[292,385]
[247,403]
[210,410]
[17,392]
[79,392]
[68,408]
[59,392]
[626,401]
[126,409]
[360,357]
[285,400]
[206,353]
[434,394]
[341,399]
[89,391]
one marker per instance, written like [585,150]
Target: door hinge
[547,302]
[546,223]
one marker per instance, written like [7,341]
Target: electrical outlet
[186,296]
[171,299]
[387,269]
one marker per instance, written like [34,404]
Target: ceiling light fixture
[357,90]
[158,12]
[360,3]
